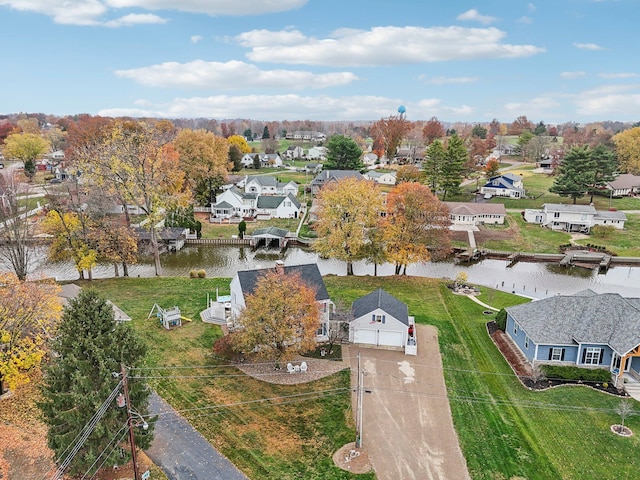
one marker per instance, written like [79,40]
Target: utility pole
[359,398]
[125,387]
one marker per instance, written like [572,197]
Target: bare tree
[16,230]
[624,409]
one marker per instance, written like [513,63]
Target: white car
[487,196]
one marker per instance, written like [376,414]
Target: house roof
[585,317]
[384,301]
[609,215]
[504,181]
[270,232]
[327,175]
[263,180]
[224,205]
[570,208]
[169,233]
[468,208]
[309,273]
[274,201]
[625,181]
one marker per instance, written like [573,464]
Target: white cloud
[135,19]
[587,46]
[474,15]
[382,46]
[196,38]
[231,75]
[525,19]
[531,7]
[537,107]
[571,75]
[617,75]
[281,107]
[615,101]
[449,80]
[93,12]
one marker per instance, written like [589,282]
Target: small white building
[383,178]
[625,184]
[468,213]
[277,206]
[507,185]
[381,320]
[574,218]
[269,185]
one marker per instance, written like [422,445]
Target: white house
[468,213]
[57,155]
[244,283]
[625,184]
[271,160]
[277,206]
[507,185]
[369,159]
[383,178]
[269,185]
[381,320]
[294,152]
[574,218]
[248,159]
[327,176]
[317,153]
[234,202]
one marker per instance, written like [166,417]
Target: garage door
[390,339]
[364,336]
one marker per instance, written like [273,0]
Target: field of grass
[527,237]
[214,230]
[505,430]
[625,243]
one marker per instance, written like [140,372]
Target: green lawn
[625,243]
[527,237]
[506,431]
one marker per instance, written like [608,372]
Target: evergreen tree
[605,166]
[576,174]
[235,157]
[453,166]
[90,347]
[256,161]
[434,160]
[343,153]
[265,133]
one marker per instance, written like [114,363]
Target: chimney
[279,267]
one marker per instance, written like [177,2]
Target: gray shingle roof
[308,272]
[625,180]
[223,205]
[327,175]
[383,300]
[272,231]
[270,201]
[469,208]
[567,207]
[585,317]
[605,214]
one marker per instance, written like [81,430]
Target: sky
[358,60]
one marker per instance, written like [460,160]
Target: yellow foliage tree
[29,312]
[347,210]
[280,318]
[240,142]
[415,227]
[628,150]
[26,147]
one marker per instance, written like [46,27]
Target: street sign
[146,475]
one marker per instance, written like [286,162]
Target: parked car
[1,165]
[487,196]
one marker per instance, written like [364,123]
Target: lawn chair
[303,367]
[290,368]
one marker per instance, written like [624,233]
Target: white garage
[381,320]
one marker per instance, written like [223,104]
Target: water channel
[537,280]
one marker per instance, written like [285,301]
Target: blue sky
[555,61]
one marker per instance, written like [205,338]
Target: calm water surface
[533,279]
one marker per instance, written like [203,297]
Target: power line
[122,432]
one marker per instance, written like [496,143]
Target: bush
[202,273]
[223,347]
[563,372]
[193,274]
[599,231]
[501,319]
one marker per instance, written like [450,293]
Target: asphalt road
[181,452]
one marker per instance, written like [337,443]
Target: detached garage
[381,320]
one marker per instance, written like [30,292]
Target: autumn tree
[408,173]
[347,209]
[343,153]
[281,318]
[415,227]
[204,159]
[140,163]
[576,174]
[16,229]
[519,125]
[628,149]
[90,348]
[452,172]
[29,312]
[29,125]
[492,168]
[116,244]
[26,147]
[494,127]
[390,131]
[240,142]
[433,130]
[433,164]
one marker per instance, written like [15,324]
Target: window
[377,318]
[592,356]
[515,328]
[526,342]
[556,214]
[556,354]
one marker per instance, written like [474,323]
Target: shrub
[193,273]
[501,319]
[563,372]
[223,347]
[599,231]
[202,273]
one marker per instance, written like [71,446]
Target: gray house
[585,329]
[327,176]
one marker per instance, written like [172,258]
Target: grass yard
[625,243]
[526,237]
[505,430]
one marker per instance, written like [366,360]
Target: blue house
[586,329]
[507,185]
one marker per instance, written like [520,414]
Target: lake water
[537,280]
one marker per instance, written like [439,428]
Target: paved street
[181,452]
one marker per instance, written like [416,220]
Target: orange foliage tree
[416,226]
[433,130]
[389,132]
[29,312]
[280,318]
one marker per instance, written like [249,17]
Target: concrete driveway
[407,427]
